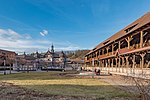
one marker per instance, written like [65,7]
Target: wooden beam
[112,49]
[141,39]
[145,34]
[119,44]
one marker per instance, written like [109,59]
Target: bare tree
[139,85]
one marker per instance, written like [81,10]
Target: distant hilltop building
[127,51]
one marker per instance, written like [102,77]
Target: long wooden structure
[127,51]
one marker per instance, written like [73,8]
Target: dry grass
[58,83]
[82,82]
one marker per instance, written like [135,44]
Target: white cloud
[27,36]
[44,33]
[11,40]
[9,34]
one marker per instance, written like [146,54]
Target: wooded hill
[76,54]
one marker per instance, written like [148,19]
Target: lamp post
[64,62]
[4,65]
[10,69]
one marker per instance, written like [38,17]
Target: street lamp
[64,62]
[4,65]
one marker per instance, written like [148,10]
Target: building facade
[127,51]
[38,60]
[8,56]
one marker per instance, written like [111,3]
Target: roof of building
[55,55]
[62,54]
[127,30]
[6,51]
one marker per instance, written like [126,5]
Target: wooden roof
[132,27]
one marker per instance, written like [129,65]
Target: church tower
[52,49]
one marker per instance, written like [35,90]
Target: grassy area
[60,84]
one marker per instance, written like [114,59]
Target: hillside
[77,54]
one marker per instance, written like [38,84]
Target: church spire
[52,48]
[24,53]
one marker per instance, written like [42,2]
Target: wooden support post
[133,66]
[112,49]
[119,66]
[108,65]
[96,54]
[127,63]
[142,61]
[123,64]
[128,41]
[98,61]
[103,64]
[112,64]
[116,64]
[107,50]
[141,39]
[100,64]
[102,51]
[148,65]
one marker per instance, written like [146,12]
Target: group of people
[97,71]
